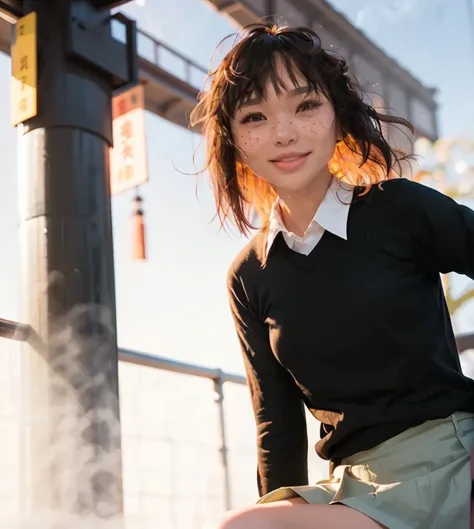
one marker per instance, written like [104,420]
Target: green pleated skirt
[419,479]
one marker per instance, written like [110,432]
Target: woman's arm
[282,441]
[445,239]
[444,229]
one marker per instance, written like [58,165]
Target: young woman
[337,299]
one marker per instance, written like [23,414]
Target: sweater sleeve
[444,230]
[282,442]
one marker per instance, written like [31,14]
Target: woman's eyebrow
[255,100]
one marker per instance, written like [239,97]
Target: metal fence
[166,57]
[188,441]
[163,56]
[184,455]
[188,438]
[187,434]
[10,428]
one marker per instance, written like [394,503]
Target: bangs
[258,63]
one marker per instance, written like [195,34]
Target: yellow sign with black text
[24,69]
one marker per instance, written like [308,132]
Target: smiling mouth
[291,164]
[289,159]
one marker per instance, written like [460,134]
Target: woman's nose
[285,132]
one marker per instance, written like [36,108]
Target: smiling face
[287,137]
[246,140]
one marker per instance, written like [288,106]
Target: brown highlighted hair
[363,157]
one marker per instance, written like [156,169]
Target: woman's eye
[252,118]
[308,105]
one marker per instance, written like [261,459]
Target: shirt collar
[331,215]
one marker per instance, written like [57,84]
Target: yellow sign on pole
[24,70]
[128,157]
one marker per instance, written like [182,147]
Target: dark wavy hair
[363,157]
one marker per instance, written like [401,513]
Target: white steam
[71,452]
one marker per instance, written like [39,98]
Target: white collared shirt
[332,215]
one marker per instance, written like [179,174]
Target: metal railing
[168,58]
[218,378]
[188,446]
[197,448]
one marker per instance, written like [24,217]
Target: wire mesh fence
[10,428]
[173,471]
[175,468]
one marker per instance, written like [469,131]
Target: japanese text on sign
[24,70]
[128,157]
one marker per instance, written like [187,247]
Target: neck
[298,208]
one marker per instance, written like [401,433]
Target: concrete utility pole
[66,66]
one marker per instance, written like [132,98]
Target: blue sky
[175,303]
